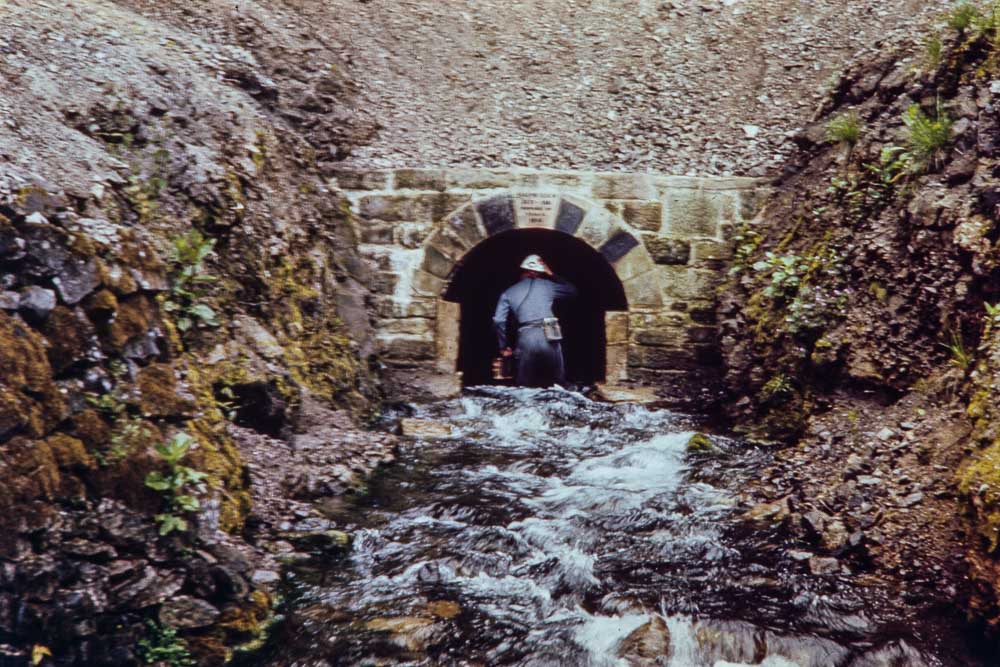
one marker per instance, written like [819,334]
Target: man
[539,358]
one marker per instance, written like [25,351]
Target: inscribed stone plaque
[617,246]
[536,209]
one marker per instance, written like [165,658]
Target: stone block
[465,227]
[407,349]
[597,227]
[656,320]
[643,290]
[388,307]
[714,183]
[661,358]
[411,234]
[421,179]
[360,179]
[623,186]
[711,254]
[562,179]
[569,217]
[616,327]
[668,251]
[683,283]
[646,215]
[412,326]
[446,335]
[702,335]
[427,284]
[436,263]
[694,213]
[635,262]
[497,214]
[409,208]
[489,179]
[385,282]
[618,245]
[380,233]
[675,337]
[616,364]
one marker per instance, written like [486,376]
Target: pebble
[885,434]
[912,499]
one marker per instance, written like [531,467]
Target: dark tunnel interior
[492,266]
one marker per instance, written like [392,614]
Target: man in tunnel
[539,357]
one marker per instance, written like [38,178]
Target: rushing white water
[560,531]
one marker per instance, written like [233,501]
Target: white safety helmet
[534,263]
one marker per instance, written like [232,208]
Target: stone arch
[456,235]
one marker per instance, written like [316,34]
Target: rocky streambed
[538,527]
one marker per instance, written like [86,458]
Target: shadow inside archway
[488,269]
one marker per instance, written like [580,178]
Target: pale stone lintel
[709,182]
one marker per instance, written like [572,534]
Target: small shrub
[786,273]
[778,386]
[844,129]
[188,281]
[163,646]
[177,484]
[926,136]
[963,16]
[993,312]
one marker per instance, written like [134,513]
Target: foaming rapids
[550,529]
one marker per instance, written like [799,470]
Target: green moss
[699,443]
[979,479]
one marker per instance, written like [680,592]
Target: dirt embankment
[859,326]
[172,263]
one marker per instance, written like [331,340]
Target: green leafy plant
[126,432]
[177,485]
[778,386]
[163,646]
[993,312]
[963,16]
[746,240]
[188,281]
[844,129]
[926,136]
[785,271]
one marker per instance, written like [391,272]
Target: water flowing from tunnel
[550,529]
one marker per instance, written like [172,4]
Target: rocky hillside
[178,288]
[705,87]
[860,320]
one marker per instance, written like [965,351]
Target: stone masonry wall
[668,239]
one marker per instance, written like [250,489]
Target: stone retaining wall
[668,239]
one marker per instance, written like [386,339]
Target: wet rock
[619,394]
[912,499]
[646,643]
[774,512]
[264,577]
[835,536]
[424,428]
[35,303]
[147,588]
[823,565]
[9,300]
[77,279]
[886,434]
[446,609]
[185,611]
[891,655]
[319,540]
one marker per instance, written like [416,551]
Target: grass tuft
[963,16]
[844,129]
[926,137]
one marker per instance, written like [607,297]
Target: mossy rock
[699,443]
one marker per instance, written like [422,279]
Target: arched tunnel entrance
[492,266]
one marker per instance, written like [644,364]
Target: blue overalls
[539,360]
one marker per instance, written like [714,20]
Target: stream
[550,529]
